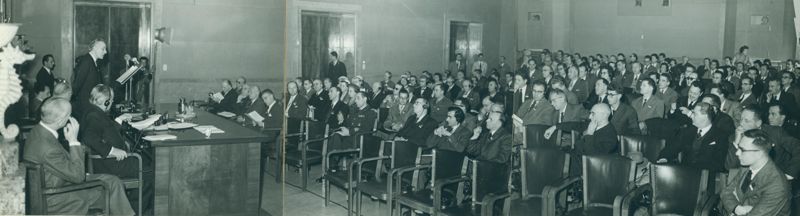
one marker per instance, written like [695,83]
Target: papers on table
[160,137]
[180,125]
[217,96]
[255,116]
[226,114]
[146,123]
[211,128]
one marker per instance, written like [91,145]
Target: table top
[234,131]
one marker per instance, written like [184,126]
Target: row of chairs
[606,185]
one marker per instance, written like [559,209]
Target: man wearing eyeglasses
[758,188]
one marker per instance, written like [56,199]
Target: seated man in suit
[454,135]
[272,113]
[623,118]
[296,108]
[419,126]
[727,106]
[537,110]
[102,135]
[65,167]
[723,120]
[42,92]
[492,143]
[439,103]
[702,143]
[759,187]
[776,95]
[470,120]
[226,103]
[599,136]
[362,119]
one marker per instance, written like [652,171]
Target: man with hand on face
[491,144]
[757,188]
[102,135]
[64,167]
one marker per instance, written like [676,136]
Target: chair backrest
[649,146]
[36,200]
[446,164]
[405,154]
[489,178]
[605,177]
[534,137]
[370,146]
[677,189]
[542,167]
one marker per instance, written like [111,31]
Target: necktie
[644,101]
[746,182]
[741,98]
[401,107]
[699,134]
[633,83]
[560,116]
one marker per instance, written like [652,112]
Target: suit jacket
[541,113]
[331,117]
[376,100]
[473,99]
[454,66]
[298,109]
[45,78]
[100,132]
[785,153]
[228,103]
[423,92]
[571,97]
[321,103]
[733,109]
[581,89]
[439,109]
[793,89]
[603,141]
[594,99]
[336,71]
[86,76]
[669,97]
[457,141]
[418,131]
[625,120]
[62,167]
[749,100]
[397,115]
[495,148]
[453,93]
[273,116]
[573,113]
[769,193]
[361,120]
[527,93]
[786,100]
[708,153]
[653,108]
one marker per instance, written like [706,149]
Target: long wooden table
[195,175]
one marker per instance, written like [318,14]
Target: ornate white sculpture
[10,89]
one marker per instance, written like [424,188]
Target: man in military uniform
[440,103]
[362,119]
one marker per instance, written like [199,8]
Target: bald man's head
[600,112]
[55,111]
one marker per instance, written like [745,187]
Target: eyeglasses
[612,94]
[745,150]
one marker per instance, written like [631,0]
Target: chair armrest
[402,170]
[490,199]
[342,151]
[712,202]
[294,135]
[630,198]
[550,194]
[438,185]
[364,160]
[304,143]
[74,187]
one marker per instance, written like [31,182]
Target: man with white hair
[64,167]
[87,75]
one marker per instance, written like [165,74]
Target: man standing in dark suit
[102,136]
[64,167]
[457,65]
[454,135]
[522,93]
[758,188]
[45,76]
[336,68]
[87,75]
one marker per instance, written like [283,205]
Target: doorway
[324,32]
[126,28]
[466,38]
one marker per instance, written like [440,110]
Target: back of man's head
[55,109]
